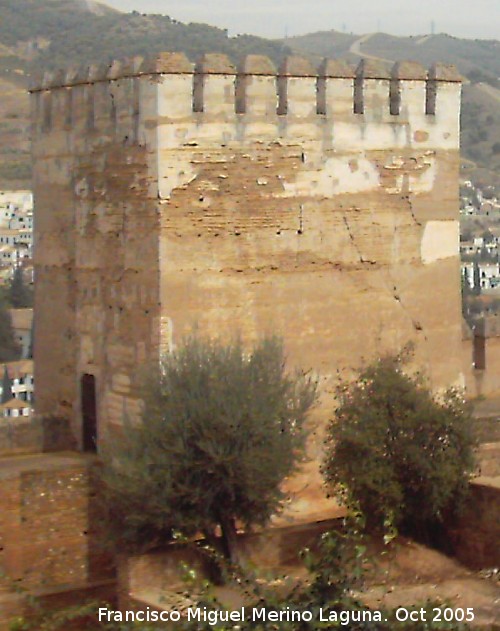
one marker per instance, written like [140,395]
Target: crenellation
[213,89]
[46,111]
[443,95]
[54,79]
[82,76]
[214,86]
[446,73]
[98,73]
[372,91]
[119,69]
[408,88]
[60,109]
[123,93]
[167,63]
[297,88]
[256,87]
[335,88]
[90,106]
[70,76]
[80,111]
[104,113]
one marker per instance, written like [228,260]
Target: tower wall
[321,205]
[96,232]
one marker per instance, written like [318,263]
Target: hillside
[36,34]
[477,60]
[476,57]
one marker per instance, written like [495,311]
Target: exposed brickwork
[48,532]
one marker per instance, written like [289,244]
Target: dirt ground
[412,573]
[406,574]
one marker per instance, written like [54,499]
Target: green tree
[404,456]
[6,386]
[19,295]
[9,349]
[220,431]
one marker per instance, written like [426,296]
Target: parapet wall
[215,87]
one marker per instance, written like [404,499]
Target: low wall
[481,357]
[34,435]
[50,534]
[148,578]
[475,536]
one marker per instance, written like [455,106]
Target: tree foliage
[6,386]
[402,454]
[221,429]
[20,295]
[9,349]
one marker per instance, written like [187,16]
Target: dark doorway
[89,414]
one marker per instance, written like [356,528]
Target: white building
[22,323]
[15,408]
[21,378]
[468,247]
[489,275]
[467,268]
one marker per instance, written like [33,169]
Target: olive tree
[221,429]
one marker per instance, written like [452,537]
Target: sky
[275,18]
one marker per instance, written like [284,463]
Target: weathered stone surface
[294,66]
[48,537]
[54,79]
[445,72]
[475,534]
[336,68]
[168,63]
[71,75]
[257,65]
[213,63]
[373,69]
[409,70]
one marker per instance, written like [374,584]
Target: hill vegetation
[37,34]
[477,60]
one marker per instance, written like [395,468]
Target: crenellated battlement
[214,87]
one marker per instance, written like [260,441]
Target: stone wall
[49,538]
[481,357]
[97,245]
[35,435]
[475,535]
[320,205]
[154,577]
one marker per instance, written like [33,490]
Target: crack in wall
[416,324]
[362,259]
[412,211]
[353,240]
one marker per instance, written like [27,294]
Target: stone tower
[321,205]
